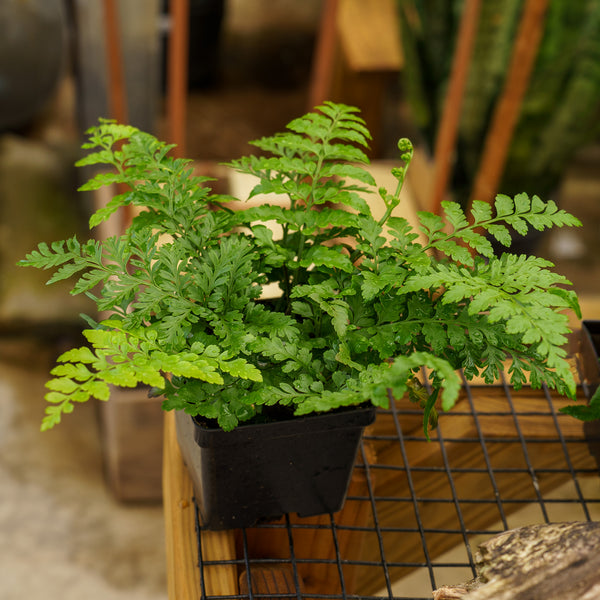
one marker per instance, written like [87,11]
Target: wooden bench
[522,435]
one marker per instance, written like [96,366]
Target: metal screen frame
[482,483]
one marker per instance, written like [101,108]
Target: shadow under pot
[260,472]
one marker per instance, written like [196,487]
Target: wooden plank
[270,580]
[181,541]
[545,455]
[219,579]
[370,35]
[132,444]
[183,577]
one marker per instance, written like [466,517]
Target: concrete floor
[63,535]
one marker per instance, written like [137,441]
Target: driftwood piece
[557,561]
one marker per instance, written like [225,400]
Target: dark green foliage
[559,112]
[363,307]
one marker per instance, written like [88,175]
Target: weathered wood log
[556,561]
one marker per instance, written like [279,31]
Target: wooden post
[508,107]
[177,75]
[117,93]
[117,96]
[446,138]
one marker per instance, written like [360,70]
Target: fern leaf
[454,215]
[481,211]
[431,224]
[327,257]
[504,205]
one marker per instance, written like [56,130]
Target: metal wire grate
[417,510]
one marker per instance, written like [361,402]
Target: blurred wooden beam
[508,107]
[445,142]
[323,65]
[177,75]
[358,51]
[369,35]
[117,95]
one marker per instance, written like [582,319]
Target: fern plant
[363,306]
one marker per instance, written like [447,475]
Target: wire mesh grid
[417,509]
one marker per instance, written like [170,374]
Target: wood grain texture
[270,580]
[181,540]
[554,561]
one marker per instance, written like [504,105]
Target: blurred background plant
[559,113]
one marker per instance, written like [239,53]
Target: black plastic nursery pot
[262,471]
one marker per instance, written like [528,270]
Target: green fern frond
[364,303]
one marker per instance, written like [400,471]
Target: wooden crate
[131,426]
[482,417]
